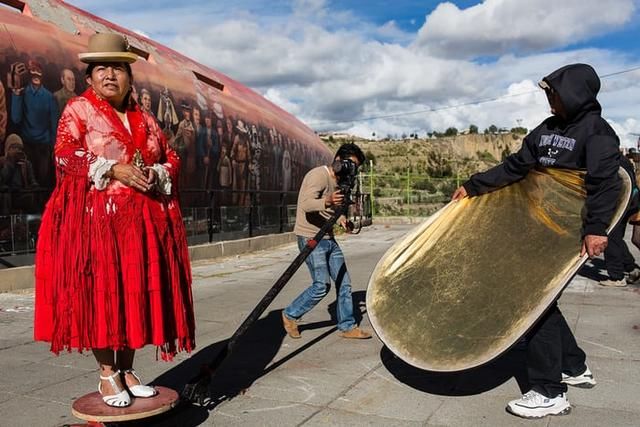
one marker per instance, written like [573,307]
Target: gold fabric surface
[465,285]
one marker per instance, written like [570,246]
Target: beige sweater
[311,213]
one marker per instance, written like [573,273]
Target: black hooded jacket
[584,140]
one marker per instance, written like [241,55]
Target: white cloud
[315,9]
[341,76]
[331,69]
[499,26]
[628,131]
[390,31]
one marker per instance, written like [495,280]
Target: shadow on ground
[464,383]
[594,269]
[250,360]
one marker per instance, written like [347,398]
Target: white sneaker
[584,380]
[535,405]
[610,283]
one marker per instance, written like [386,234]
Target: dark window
[209,81]
[15,4]
[141,53]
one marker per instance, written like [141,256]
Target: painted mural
[228,137]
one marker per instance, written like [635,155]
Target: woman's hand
[132,176]
[152,176]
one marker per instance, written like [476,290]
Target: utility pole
[408,186]
[371,186]
[638,142]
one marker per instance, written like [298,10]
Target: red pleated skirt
[112,271]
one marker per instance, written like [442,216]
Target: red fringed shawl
[112,266]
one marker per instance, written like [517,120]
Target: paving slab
[380,394]
[470,411]
[586,416]
[334,417]
[26,411]
[322,379]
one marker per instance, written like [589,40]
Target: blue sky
[409,15]
[336,63]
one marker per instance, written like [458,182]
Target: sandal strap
[111,380]
[132,372]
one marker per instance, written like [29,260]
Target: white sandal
[119,400]
[139,390]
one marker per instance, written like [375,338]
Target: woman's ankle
[130,378]
[106,386]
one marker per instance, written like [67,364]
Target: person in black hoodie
[617,258]
[574,137]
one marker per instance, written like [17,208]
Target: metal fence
[209,216]
[408,194]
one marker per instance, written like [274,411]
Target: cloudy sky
[403,66]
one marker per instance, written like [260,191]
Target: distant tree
[373,135]
[451,131]
[493,129]
[415,135]
[519,130]
[486,131]
[403,136]
[473,129]
[370,156]
[330,138]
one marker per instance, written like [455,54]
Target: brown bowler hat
[108,47]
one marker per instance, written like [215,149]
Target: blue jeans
[326,262]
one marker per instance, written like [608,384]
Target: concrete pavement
[322,379]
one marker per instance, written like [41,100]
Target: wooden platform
[90,407]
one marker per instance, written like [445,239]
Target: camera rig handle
[197,389]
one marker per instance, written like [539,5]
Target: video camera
[347,174]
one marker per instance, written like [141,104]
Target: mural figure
[196,164]
[35,111]
[254,166]
[68,89]
[134,94]
[217,110]
[166,111]
[225,175]
[277,159]
[229,134]
[286,169]
[240,157]
[184,142]
[145,101]
[3,117]
[16,174]
[210,153]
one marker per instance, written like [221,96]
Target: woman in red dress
[112,266]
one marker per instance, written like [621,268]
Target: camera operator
[320,193]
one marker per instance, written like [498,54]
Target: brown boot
[290,326]
[355,333]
